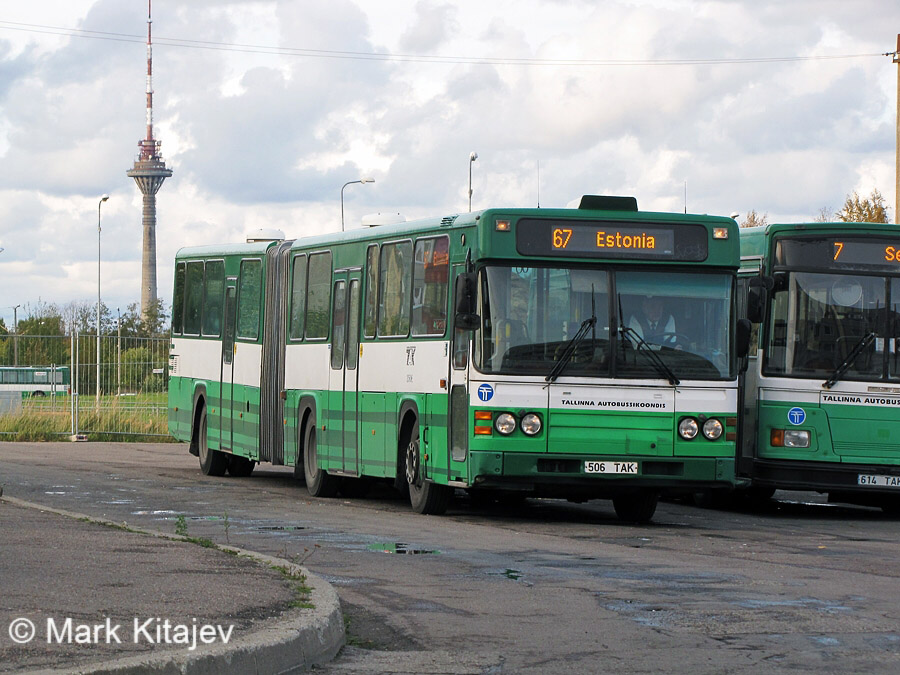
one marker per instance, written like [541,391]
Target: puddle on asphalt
[279,528]
[118,501]
[399,549]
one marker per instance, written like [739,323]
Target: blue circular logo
[796,415]
[485,392]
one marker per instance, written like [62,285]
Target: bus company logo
[485,392]
[796,415]
[410,356]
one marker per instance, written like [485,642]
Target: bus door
[458,414]
[226,380]
[343,380]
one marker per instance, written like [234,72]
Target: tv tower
[149,172]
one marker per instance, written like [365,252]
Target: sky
[265,108]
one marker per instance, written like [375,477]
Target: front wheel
[638,507]
[318,482]
[425,497]
[212,462]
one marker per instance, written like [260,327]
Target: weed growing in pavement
[181,526]
[227,527]
[297,581]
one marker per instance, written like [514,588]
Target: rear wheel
[638,507]
[240,467]
[318,482]
[212,462]
[424,496]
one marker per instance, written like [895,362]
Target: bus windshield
[532,315]
[826,323]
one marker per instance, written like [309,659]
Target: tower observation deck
[149,172]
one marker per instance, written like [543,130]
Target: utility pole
[16,335]
[896,59]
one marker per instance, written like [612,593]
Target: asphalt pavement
[81,594]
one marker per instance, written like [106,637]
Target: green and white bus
[505,351]
[35,381]
[822,392]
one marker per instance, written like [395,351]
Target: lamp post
[472,157]
[15,310]
[103,198]
[361,180]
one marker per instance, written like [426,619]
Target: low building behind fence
[63,389]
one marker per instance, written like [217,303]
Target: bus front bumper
[564,475]
[831,477]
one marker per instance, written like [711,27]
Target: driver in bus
[653,323]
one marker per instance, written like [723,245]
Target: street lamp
[15,310]
[103,198]
[472,157]
[361,180]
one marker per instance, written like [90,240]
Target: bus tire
[637,507]
[425,496]
[240,467]
[318,482]
[212,462]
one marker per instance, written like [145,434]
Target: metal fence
[107,387]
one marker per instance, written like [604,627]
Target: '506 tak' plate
[611,467]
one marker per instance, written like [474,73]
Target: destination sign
[882,253]
[608,239]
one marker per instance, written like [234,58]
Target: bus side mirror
[742,338]
[466,298]
[757,297]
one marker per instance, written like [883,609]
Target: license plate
[876,480]
[610,467]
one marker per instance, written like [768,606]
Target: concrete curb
[297,641]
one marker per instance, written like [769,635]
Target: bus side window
[394,289]
[318,298]
[371,291]
[298,297]
[249,298]
[178,300]
[430,284]
[213,298]
[193,301]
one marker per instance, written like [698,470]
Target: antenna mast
[149,172]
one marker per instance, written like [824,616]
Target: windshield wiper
[570,348]
[864,342]
[643,348]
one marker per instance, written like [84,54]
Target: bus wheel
[318,482]
[638,507]
[426,497]
[212,462]
[240,467]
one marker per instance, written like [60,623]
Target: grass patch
[123,419]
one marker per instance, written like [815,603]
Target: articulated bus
[35,381]
[507,352]
[822,393]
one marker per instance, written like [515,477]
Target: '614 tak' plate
[876,480]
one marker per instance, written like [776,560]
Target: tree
[824,215]
[754,219]
[868,210]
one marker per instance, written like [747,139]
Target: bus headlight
[790,438]
[688,428]
[531,424]
[712,429]
[505,423]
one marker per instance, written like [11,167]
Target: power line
[408,58]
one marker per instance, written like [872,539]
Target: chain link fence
[111,388]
